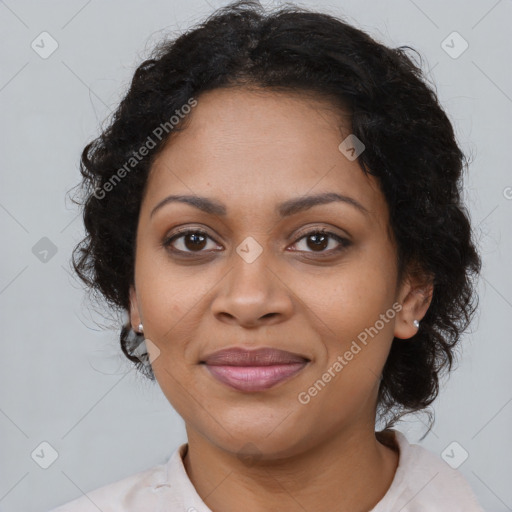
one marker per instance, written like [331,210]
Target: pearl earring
[141,328]
[416,324]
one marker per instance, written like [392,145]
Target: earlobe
[418,296]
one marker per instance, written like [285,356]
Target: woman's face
[259,276]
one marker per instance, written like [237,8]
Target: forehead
[258,147]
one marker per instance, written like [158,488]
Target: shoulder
[424,482]
[135,492]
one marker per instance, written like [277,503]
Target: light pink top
[423,482]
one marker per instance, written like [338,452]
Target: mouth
[254,370]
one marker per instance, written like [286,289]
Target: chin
[270,434]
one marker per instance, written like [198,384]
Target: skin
[252,150]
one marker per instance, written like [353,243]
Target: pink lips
[254,370]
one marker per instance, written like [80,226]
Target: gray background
[64,380]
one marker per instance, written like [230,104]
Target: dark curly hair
[410,148]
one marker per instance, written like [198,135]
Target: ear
[415,296]
[134,310]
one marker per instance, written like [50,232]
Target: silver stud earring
[416,324]
[141,328]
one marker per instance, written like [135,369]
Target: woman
[276,205]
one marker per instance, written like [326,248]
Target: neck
[352,471]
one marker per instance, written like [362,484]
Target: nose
[252,295]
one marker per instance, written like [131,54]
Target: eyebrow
[285,209]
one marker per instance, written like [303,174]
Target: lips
[257,357]
[253,370]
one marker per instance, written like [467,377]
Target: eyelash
[344,242]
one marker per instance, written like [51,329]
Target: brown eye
[319,240]
[191,240]
[194,241]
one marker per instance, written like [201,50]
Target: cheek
[350,298]
[353,314]
[167,291]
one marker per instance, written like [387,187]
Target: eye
[319,240]
[194,240]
